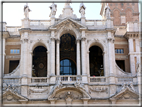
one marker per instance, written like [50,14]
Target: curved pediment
[69,92]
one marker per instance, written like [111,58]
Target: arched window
[96,61]
[67,54]
[39,62]
[67,67]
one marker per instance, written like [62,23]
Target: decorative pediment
[126,93]
[10,96]
[68,23]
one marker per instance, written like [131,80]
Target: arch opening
[67,54]
[39,62]
[96,61]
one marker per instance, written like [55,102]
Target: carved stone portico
[70,60]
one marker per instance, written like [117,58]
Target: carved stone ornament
[126,93]
[68,92]
[107,11]
[11,96]
[68,24]
[98,89]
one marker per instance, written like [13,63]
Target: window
[15,51]
[67,67]
[121,64]
[119,51]
[12,65]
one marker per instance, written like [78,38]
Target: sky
[13,13]
[40,11]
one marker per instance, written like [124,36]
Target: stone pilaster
[88,64]
[52,56]
[78,57]
[131,55]
[83,57]
[58,56]
[111,59]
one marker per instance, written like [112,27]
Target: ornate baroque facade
[70,60]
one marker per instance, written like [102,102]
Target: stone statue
[82,10]
[53,8]
[107,11]
[26,11]
[68,3]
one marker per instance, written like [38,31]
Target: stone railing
[68,78]
[126,79]
[13,30]
[39,80]
[12,80]
[97,79]
[96,23]
[39,24]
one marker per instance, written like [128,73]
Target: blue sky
[15,13]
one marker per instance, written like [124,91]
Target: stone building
[71,60]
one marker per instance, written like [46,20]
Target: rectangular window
[15,51]
[119,51]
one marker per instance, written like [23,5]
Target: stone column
[58,56]
[52,56]
[85,101]
[48,67]
[137,41]
[88,64]
[111,60]
[83,56]
[78,57]
[30,65]
[131,56]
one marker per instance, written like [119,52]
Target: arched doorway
[67,54]
[39,62]
[96,61]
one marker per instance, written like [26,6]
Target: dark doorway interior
[12,65]
[39,62]
[96,61]
[121,64]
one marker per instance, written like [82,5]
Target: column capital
[52,38]
[111,40]
[83,38]
[47,52]
[58,40]
[88,52]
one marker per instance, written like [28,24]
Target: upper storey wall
[122,12]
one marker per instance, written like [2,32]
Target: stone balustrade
[12,80]
[68,78]
[39,24]
[133,27]
[97,79]
[13,30]
[39,80]
[126,79]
